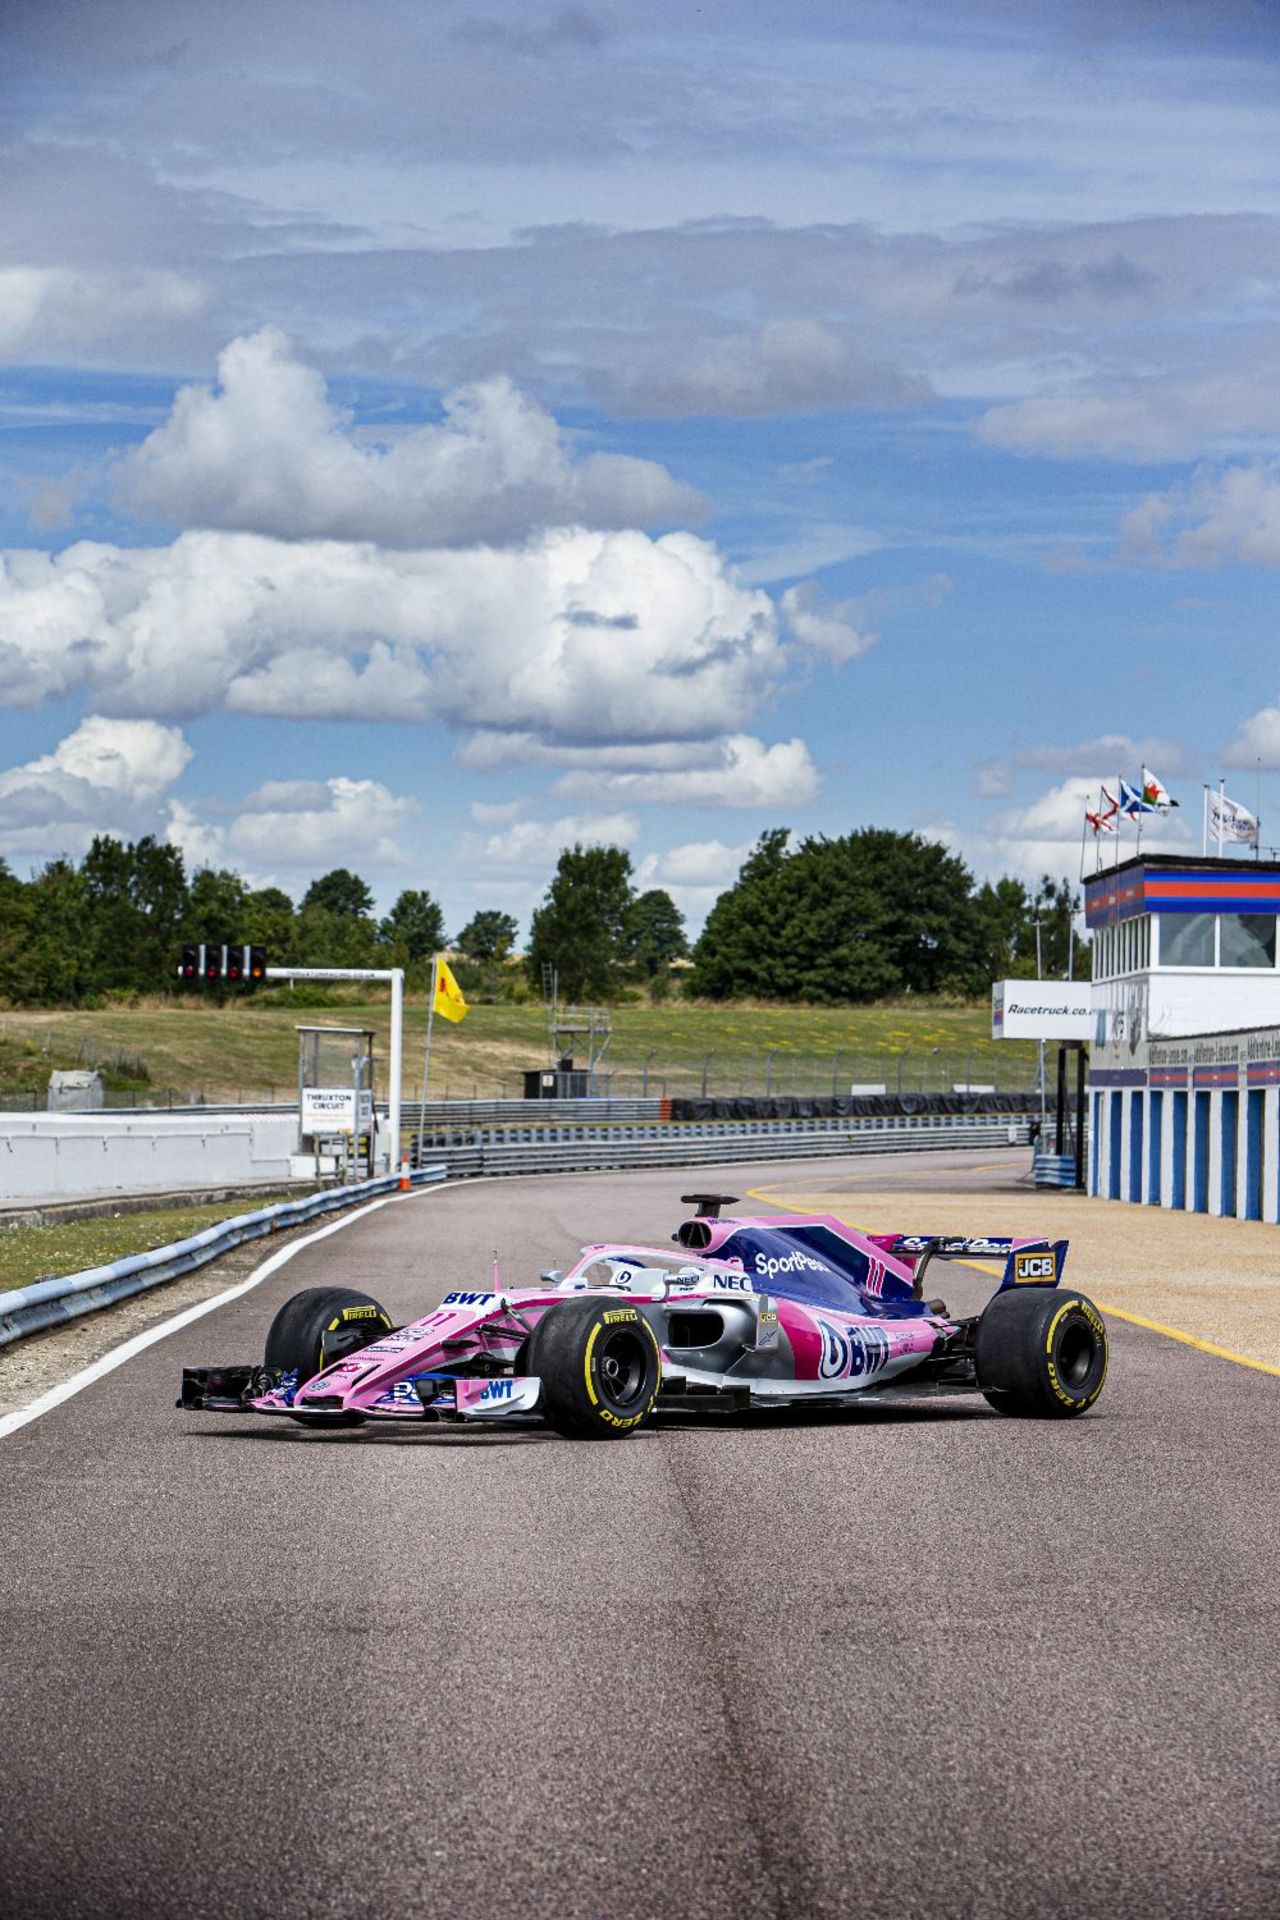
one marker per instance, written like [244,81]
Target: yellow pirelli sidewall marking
[586,1363]
[1117,1313]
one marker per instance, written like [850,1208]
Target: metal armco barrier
[46,1302]
[544,1150]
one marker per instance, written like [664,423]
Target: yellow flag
[448,1002]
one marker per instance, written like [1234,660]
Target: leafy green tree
[340,892]
[270,921]
[488,936]
[17,981]
[323,937]
[655,934]
[215,906]
[137,901]
[414,927]
[580,928]
[846,920]
[62,946]
[1007,933]
[1055,906]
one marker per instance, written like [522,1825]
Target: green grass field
[197,1047]
[37,1253]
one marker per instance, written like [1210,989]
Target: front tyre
[1042,1353]
[319,1326]
[600,1368]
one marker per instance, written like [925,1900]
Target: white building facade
[1184,1079]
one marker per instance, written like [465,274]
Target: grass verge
[38,1253]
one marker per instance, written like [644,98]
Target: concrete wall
[49,1154]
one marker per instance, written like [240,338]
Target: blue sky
[432,434]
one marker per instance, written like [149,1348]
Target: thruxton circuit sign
[1041,1010]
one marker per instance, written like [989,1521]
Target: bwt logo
[849,1352]
[498,1390]
[468,1299]
[1035,1266]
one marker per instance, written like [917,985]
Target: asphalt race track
[908,1662]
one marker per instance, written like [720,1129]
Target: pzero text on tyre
[1042,1352]
[600,1368]
[317,1327]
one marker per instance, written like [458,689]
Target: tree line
[862,917]
[866,916]
[114,923]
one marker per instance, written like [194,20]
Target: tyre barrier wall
[550,1150]
[826,1106]
[48,1302]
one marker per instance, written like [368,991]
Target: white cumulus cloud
[106,777]
[833,628]
[694,873]
[1257,743]
[1219,515]
[578,636]
[738,771]
[540,842]
[267,452]
[290,828]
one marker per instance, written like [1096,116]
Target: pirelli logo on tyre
[1035,1269]
[620,1313]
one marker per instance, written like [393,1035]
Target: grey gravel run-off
[915,1661]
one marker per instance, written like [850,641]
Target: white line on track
[126,1351]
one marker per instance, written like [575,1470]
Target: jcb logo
[1035,1266]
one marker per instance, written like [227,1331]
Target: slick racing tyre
[600,1368]
[319,1326]
[1041,1353]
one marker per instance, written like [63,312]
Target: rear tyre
[1041,1354]
[600,1368]
[319,1326]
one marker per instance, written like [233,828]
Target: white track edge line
[127,1349]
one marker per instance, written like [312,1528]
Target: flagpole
[1084,828]
[431,1014]
[1204,832]
[1222,794]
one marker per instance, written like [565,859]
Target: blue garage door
[1113,1143]
[1136,1104]
[1200,1150]
[1179,1198]
[1230,1141]
[1253,1156]
[1155,1143]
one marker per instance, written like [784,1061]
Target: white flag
[1228,820]
[1155,793]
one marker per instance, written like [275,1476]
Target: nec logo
[1035,1266]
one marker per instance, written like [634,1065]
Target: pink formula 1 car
[775,1312]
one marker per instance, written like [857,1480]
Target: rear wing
[1025,1263]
